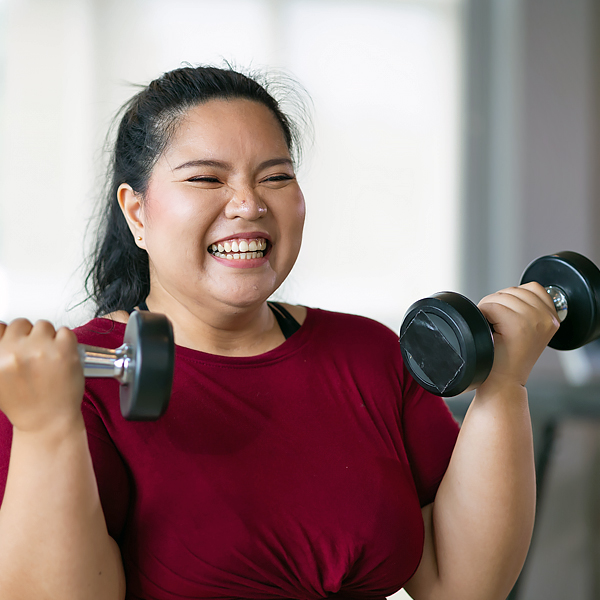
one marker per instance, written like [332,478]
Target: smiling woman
[298,459]
[225,179]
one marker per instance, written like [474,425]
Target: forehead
[227,126]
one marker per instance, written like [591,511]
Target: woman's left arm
[478,529]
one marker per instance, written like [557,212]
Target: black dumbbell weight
[143,365]
[577,279]
[448,346]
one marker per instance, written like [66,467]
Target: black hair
[119,277]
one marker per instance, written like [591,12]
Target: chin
[245,301]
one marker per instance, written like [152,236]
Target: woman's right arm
[53,537]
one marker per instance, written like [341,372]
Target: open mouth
[240,249]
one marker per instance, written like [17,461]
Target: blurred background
[454,142]
[381,179]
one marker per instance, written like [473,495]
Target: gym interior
[452,143]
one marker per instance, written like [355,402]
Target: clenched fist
[524,321]
[41,378]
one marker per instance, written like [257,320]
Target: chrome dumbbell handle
[118,364]
[143,365]
[560,301]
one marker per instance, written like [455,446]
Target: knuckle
[67,341]
[547,325]
[9,362]
[20,322]
[66,333]
[523,328]
[44,325]
[489,300]
[18,328]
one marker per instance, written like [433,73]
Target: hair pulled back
[119,276]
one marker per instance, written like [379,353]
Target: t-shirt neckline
[285,349]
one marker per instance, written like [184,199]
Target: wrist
[52,431]
[501,387]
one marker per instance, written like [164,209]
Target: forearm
[483,514]
[53,537]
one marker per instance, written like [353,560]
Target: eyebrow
[272,162]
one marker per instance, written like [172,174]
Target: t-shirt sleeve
[5,444]
[111,474]
[429,432]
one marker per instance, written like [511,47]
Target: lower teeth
[239,256]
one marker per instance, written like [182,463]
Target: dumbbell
[143,365]
[448,345]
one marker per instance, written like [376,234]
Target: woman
[297,458]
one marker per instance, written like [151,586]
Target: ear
[131,205]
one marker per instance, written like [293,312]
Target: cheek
[300,217]
[173,209]
[173,218]
[302,210]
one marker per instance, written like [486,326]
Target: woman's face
[223,214]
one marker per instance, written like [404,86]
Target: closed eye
[278,181]
[279,178]
[204,179]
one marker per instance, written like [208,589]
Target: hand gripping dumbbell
[143,365]
[448,345]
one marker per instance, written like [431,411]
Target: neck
[220,329]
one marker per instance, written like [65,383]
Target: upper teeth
[240,246]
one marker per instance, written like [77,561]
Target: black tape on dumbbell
[431,353]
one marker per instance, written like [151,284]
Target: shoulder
[352,330]
[352,322]
[103,332]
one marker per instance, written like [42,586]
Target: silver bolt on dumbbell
[560,301]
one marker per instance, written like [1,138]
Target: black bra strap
[286,322]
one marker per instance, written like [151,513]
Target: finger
[65,337]
[43,329]
[17,329]
[496,313]
[514,305]
[540,291]
[522,298]
[538,300]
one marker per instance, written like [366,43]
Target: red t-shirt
[296,474]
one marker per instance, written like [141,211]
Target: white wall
[381,181]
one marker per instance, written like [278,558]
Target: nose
[246,204]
